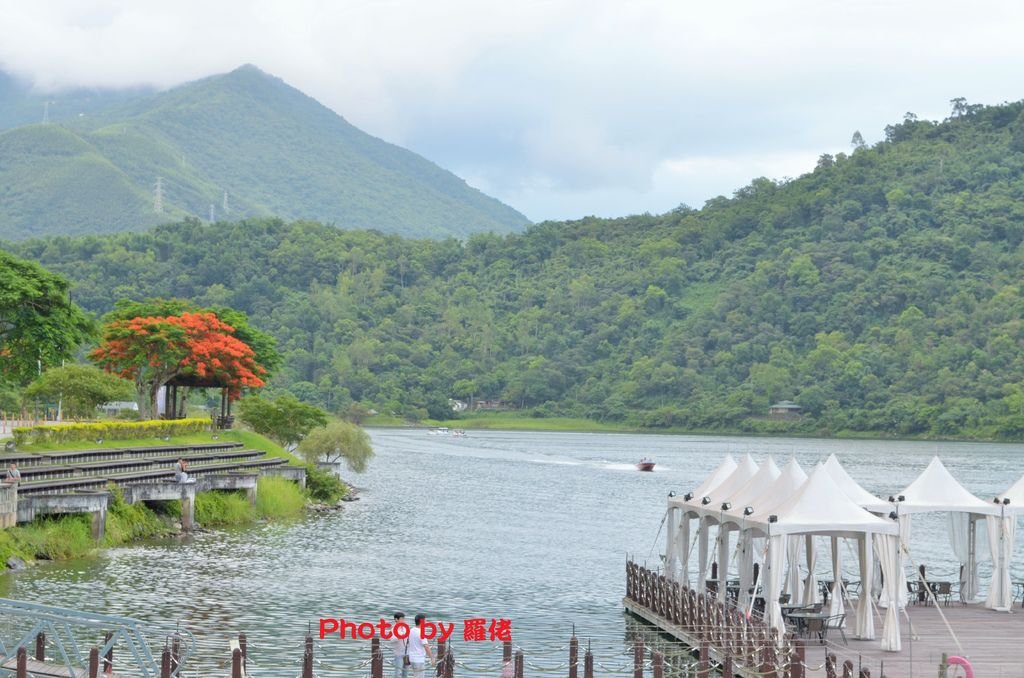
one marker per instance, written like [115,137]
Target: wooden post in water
[441,649]
[506,651]
[638,658]
[703,660]
[848,669]
[574,654]
[22,663]
[165,663]
[40,647]
[307,658]
[376,659]
[236,663]
[108,659]
[176,650]
[588,664]
[449,664]
[657,664]
[243,645]
[94,663]
[519,664]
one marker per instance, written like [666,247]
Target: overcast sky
[563,108]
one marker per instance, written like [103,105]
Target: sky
[562,108]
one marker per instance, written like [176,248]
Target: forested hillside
[882,292]
[243,144]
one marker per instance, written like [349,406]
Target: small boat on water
[645,464]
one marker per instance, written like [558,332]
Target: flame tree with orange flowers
[154,349]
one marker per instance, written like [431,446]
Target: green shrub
[127,522]
[107,430]
[324,486]
[223,508]
[279,498]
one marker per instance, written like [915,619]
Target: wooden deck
[992,641]
[45,670]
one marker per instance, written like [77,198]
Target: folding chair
[836,622]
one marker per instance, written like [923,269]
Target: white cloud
[550,104]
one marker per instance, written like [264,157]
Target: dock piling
[506,651]
[94,662]
[727,667]
[22,665]
[40,647]
[442,649]
[703,660]
[574,653]
[307,657]
[519,664]
[236,663]
[243,645]
[638,658]
[588,664]
[165,663]
[376,659]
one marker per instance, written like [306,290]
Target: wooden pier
[992,641]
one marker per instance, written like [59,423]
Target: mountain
[882,292]
[21,104]
[242,144]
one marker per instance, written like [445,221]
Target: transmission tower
[46,112]
[225,206]
[158,196]
[211,214]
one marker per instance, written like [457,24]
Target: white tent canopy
[936,490]
[1015,493]
[820,507]
[852,488]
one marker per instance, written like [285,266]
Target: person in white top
[419,648]
[398,649]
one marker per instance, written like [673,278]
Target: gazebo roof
[937,490]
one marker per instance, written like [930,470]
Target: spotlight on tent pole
[901,498]
[995,500]
[892,499]
[726,506]
[671,493]
[1006,501]
[893,515]
[748,510]
[688,496]
[705,501]
[773,518]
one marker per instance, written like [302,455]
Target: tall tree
[81,388]
[152,351]
[39,324]
[284,419]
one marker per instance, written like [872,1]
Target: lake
[530,527]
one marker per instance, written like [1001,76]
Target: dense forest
[881,292]
[242,144]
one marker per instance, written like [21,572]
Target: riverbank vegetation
[880,292]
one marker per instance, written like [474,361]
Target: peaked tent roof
[745,470]
[788,482]
[714,479]
[937,490]
[820,507]
[1015,493]
[853,489]
[766,476]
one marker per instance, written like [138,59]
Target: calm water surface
[530,527]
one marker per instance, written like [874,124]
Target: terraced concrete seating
[85,470]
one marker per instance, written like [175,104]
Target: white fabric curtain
[968,553]
[724,537]
[1000,543]
[811,583]
[702,554]
[745,565]
[865,627]
[683,543]
[835,602]
[793,568]
[889,555]
[774,565]
[670,543]
[904,553]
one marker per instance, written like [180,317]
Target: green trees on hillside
[881,292]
